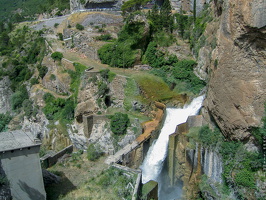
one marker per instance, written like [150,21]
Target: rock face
[93,4]
[5,95]
[237,85]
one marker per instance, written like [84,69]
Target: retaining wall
[50,160]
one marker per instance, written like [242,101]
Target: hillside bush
[4,120]
[18,97]
[57,56]
[93,153]
[119,123]
[42,70]
[58,108]
[104,37]
[79,27]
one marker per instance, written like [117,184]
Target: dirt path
[41,87]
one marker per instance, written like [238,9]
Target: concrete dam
[154,161]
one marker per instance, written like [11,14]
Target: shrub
[102,89]
[34,81]
[104,37]
[60,36]
[117,55]
[93,153]
[42,70]
[56,25]
[4,120]
[28,108]
[119,123]
[58,13]
[56,109]
[245,178]
[57,56]
[209,137]
[18,97]
[79,27]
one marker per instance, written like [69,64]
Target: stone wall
[50,160]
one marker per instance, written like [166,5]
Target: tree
[119,123]
[166,16]
[79,27]
[57,56]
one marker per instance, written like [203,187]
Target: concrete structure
[192,121]
[50,160]
[19,154]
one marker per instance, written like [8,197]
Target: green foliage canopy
[119,123]
[4,120]
[57,56]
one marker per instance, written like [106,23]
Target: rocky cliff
[236,67]
[5,95]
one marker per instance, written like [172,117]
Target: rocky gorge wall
[235,68]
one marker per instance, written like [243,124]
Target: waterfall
[212,165]
[153,163]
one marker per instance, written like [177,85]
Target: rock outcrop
[5,95]
[237,73]
[94,4]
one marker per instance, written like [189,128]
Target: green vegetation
[29,8]
[79,27]
[133,5]
[4,120]
[239,165]
[58,109]
[104,37]
[18,98]
[93,153]
[57,56]
[3,180]
[29,108]
[154,88]
[60,36]
[116,179]
[131,91]
[119,123]
[42,70]
[75,79]
[20,67]
[178,74]
[192,28]
[34,81]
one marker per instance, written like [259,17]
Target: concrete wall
[192,121]
[50,160]
[23,170]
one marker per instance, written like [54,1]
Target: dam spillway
[153,163]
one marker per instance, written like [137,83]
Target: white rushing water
[153,163]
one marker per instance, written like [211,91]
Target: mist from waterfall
[153,163]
